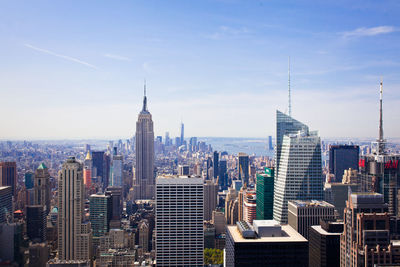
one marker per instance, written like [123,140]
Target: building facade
[265,194]
[42,187]
[8,176]
[342,157]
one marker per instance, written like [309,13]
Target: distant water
[234,145]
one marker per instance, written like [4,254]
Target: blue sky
[75,69]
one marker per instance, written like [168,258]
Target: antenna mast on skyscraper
[290,100]
[381,142]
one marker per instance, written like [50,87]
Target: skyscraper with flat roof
[5,203]
[215,164]
[265,194]
[341,158]
[8,175]
[243,168]
[179,221]
[144,179]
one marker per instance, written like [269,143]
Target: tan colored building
[210,198]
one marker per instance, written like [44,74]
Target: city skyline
[197,58]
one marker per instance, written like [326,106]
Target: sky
[76,69]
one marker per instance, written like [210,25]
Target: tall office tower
[97,160]
[243,168]
[5,203]
[106,170]
[182,133]
[222,175]
[179,242]
[303,214]
[87,171]
[183,170]
[230,198]
[266,243]
[8,175]
[100,210]
[265,194]
[209,165]
[42,187]
[193,144]
[145,180]
[115,193]
[74,236]
[117,167]
[167,139]
[300,172]
[29,177]
[270,146]
[285,125]
[380,171]
[249,206]
[337,194]
[341,158]
[210,198]
[324,244]
[36,223]
[365,240]
[215,164]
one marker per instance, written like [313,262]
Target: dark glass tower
[342,157]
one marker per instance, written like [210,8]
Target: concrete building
[365,240]
[144,172]
[337,194]
[265,243]
[303,214]
[144,233]
[231,212]
[265,195]
[74,236]
[179,221]
[210,198]
[249,206]
[8,176]
[324,244]
[5,203]
[219,222]
[38,254]
[300,172]
[42,187]
[183,170]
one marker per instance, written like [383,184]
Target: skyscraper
[98,159]
[210,198]
[29,180]
[179,222]
[87,171]
[8,175]
[117,166]
[100,215]
[222,174]
[74,236]
[270,146]
[243,168]
[265,194]
[182,133]
[145,180]
[36,223]
[300,172]
[341,158]
[285,124]
[215,164]
[5,203]
[42,187]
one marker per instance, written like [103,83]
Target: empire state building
[144,175]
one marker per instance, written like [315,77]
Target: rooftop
[288,235]
[311,203]
[321,231]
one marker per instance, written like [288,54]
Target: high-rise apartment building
[42,187]
[179,221]
[145,180]
[74,236]
[210,198]
[5,203]
[265,194]
[8,176]
[303,214]
[243,168]
[299,175]
[341,158]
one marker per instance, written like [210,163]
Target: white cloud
[117,57]
[360,32]
[60,56]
